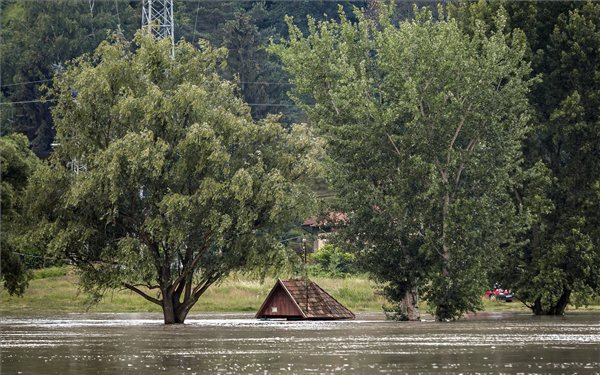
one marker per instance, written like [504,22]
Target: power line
[29,101]
[242,82]
[270,105]
[265,83]
[27,83]
[249,104]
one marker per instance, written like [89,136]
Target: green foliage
[177,185]
[17,163]
[424,125]
[38,37]
[557,262]
[330,260]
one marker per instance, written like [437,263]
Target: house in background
[299,299]
[322,226]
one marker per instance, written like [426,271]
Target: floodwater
[102,344]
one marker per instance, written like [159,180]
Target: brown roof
[312,301]
[331,218]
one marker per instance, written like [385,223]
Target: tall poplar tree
[557,263]
[560,263]
[424,125]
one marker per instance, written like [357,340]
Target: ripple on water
[115,344]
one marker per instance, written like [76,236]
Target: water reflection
[237,344]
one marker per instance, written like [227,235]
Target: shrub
[331,260]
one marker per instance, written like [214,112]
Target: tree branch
[456,133]
[201,288]
[470,148]
[393,143]
[525,303]
[147,297]
[189,269]
[441,170]
[153,251]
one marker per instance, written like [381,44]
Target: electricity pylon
[157,15]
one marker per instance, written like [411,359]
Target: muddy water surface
[105,344]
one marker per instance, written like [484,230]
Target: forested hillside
[40,37]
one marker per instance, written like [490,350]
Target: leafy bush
[331,260]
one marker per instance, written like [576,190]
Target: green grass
[54,291]
[46,273]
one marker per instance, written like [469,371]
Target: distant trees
[424,125]
[38,38]
[177,185]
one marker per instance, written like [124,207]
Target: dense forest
[461,139]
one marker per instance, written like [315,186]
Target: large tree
[162,183]
[559,265]
[424,125]
[558,261]
[17,164]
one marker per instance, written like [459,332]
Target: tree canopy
[17,164]
[161,182]
[559,265]
[424,125]
[555,265]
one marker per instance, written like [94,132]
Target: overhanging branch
[138,291]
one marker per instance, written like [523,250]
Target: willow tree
[161,183]
[424,125]
[17,163]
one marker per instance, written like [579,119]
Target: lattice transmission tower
[157,15]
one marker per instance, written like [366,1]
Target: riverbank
[55,291]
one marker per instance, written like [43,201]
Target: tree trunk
[537,307]
[557,309]
[445,247]
[182,312]
[175,312]
[410,305]
[170,313]
[441,310]
[561,305]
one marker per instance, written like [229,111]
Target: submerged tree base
[407,309]
[556,309]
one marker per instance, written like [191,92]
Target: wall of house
[280,305]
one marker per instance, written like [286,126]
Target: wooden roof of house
[309,302]
[325,221]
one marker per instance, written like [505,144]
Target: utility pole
[157,15]
[305,274]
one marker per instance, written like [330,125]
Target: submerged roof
[311,301]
